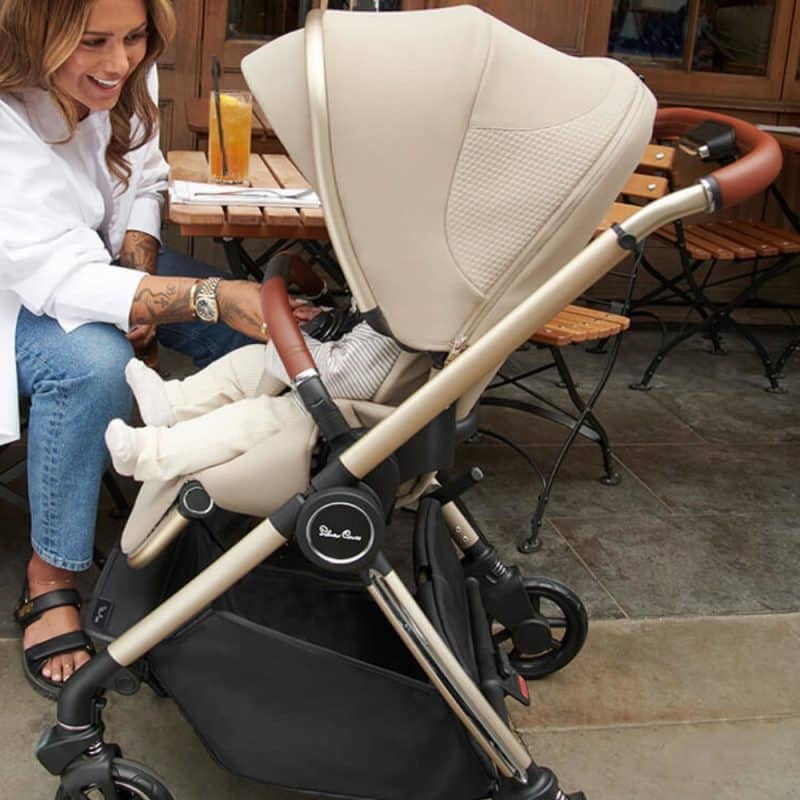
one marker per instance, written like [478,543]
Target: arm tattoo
[139,251]
[168,303]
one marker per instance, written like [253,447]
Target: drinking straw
[215,70]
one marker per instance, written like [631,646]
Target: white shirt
[63,217]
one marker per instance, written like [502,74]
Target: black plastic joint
[333,474]
[542,785]
[77,702]
[627,241]
[284,518]
[325,413]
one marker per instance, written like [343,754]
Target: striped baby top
[352,368]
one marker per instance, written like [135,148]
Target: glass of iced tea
[236,111]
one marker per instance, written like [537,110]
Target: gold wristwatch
[203,300]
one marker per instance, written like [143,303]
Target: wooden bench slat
[645,187]
[739,250]
[695,237]
[244,215]
[732,230]
[575,324]
[668,233]
[658,157]
[618,212]
[287,173]
[187,165]
[185,214]
[263,178]
[787,242]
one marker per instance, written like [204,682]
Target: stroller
[451,153]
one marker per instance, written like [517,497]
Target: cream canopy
[460,163]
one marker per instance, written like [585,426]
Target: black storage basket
[296,679]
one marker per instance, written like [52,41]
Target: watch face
[206,309]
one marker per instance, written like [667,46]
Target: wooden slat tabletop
[245,222]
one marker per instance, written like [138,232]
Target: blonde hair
[36,38]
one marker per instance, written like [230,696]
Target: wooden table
[232,224]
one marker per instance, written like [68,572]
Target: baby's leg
[236,376]
[158,453]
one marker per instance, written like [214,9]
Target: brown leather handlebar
[759,166]
[283,328]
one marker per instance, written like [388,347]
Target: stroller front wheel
[132,781]
[568,621]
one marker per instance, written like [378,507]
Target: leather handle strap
[758,167]
[283,328]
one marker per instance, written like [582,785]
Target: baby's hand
[302,311]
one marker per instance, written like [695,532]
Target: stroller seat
[258,481]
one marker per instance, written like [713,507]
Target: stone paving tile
[556,560]
[718,478]
[511,488]
[753,760]
[628,418]
[690,565]
[666,671]
[743,418]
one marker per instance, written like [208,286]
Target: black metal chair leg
[791,348]
[770,372]
[586,410]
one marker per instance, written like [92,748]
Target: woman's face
[112,46]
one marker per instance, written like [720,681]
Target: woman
[82,281]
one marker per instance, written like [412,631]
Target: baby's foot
[121,443]
[150,394]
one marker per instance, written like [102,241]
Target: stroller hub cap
[341,529]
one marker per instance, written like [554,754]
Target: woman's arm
[158,300]
[139,251]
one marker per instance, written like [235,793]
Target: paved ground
[687,687]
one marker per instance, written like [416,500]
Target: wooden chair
[581,325]
[745,254]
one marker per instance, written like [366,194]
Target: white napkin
[210,194]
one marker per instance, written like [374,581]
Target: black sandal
[36,656]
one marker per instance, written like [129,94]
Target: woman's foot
[43,578]
[150,393]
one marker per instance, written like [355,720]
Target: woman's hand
[240,307]
[140,336]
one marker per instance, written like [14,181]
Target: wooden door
[714,53]
[791,85]
[234,28]
[578,27]
[178,73]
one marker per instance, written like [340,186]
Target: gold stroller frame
[78,732]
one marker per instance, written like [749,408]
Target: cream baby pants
[222,412]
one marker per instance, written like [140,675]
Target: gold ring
[264,330]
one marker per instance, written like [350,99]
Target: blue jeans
[76,384]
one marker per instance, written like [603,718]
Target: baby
[237,402]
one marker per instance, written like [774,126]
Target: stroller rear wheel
[568,621]
[132,781]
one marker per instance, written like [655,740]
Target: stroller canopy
[460,163]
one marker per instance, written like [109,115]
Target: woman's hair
[36,38]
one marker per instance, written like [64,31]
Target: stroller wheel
[569,624]
[132,781]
